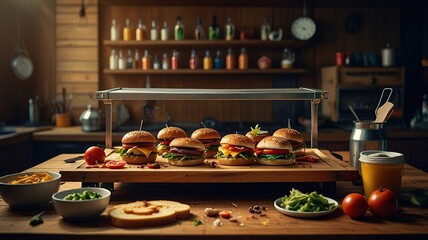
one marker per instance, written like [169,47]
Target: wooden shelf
[201,71]
[207,43]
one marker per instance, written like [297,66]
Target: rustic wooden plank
[77,66]
[74,9]
[83,32]
[77,43]
[77,53]
[77,77]
[74,18]
[76,2]
[78,88]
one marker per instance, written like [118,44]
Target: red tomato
[354,205]
[383,203]
[225,214]
[236,148]
[115,164]
[94,155]
[274,151]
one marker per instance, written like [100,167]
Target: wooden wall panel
[77,53]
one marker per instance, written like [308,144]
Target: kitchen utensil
[353,112]
[384,112]
[381,97]
[22,65]
[91,119]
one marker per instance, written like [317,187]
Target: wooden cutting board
[327,169]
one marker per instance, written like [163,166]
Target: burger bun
[235,161]
[187,143]
[237,140]
[205,133]
[138,137]
[171,133]
[289,134]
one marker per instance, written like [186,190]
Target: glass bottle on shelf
[265,29]
[140,32]
[114,31]
[113,60]
[127,35]
[154,31]
[194,60]
[165,62]
[179,29]
[156,63]
[229,29]
[137,60]
[146,61]
[287,60]
[230,59]
[121,61]
[165,32]
[208,61]
[199,30]
[130,61]
[214,29]
[175,60]
[218,62]
[243,59]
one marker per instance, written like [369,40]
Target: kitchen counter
[410,223]
[19,134]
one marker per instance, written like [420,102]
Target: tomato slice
[115,164]
[236,148]
[273,151]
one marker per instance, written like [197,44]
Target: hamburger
[138,147]
[235,150]
[274,151]
[210,138]
[166,135]
[293,136]
[185,152]
[257,134]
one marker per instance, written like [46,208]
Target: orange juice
[381,169]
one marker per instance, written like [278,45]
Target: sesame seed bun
[289,134]
[235,161]
[171,132]
[237,140]
[205,133]
[138,137]
[187,142]
[273,142]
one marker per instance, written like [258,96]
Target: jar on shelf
[114,31]
[165,31]
[229,30]
[208,61]
[154,31]
[146,61]
[288,58]
[127,35]
[179,29]
[218,61]
[140,32]
[130,60]
[165,62]
[137,61]
[113,60]
[194,60]
[156,63]
[199,30]
[121,61]
[230,59]
[243,59]
[175,59]
[265,29]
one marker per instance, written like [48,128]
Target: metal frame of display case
[117,94]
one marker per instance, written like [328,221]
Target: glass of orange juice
[381,169]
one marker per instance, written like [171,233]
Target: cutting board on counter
[327,169]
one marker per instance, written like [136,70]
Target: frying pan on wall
[22,65]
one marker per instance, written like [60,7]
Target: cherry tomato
[153,165]
[354,205]
[115,164]
[383,203]
[226,214]
[94,155]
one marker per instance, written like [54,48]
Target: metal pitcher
[366,135]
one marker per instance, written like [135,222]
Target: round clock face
[303,28]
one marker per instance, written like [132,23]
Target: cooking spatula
[384,111]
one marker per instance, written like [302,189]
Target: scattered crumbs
[217,223]
[266,222]
[241,224]
[234,220]
[263,215]
[234,204]
[212,164]
[254,217]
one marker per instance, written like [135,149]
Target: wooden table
[410,223]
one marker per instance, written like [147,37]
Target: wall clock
[303,27]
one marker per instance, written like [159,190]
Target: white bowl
[30,195]
[78,210]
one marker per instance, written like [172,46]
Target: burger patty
[186,151]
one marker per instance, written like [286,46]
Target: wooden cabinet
[360,87]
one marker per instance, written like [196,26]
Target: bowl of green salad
[81,204]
